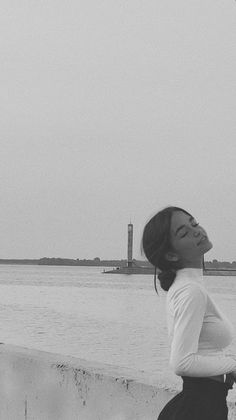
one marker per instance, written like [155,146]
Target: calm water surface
[82,312]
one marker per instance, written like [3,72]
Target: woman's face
[189,240]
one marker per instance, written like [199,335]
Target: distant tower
[130,245]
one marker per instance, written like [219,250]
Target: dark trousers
[200,399]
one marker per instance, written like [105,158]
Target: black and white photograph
[118,210]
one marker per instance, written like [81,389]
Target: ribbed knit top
[198,330]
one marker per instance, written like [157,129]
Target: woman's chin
[208,246]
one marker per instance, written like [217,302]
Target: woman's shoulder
[186,289]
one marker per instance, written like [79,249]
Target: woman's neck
[193,264]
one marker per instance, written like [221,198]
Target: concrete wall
[37,385]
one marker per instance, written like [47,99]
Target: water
[80,311]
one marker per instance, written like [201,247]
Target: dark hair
[156,243]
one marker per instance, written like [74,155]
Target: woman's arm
[189,304]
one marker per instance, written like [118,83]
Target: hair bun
[167,278]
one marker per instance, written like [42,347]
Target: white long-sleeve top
[198,330]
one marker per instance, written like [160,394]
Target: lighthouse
[132,267]
[130,245]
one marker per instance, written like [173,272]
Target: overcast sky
[111,110]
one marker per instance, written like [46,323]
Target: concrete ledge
[36,385]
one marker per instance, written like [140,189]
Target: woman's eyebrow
[182,226]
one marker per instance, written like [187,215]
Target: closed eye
[193,225]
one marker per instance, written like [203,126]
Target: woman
[175,244]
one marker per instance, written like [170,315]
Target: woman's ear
[171,256]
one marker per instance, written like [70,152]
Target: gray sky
[111,110]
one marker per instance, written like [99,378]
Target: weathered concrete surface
[37,385]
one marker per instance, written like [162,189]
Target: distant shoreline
[96,262]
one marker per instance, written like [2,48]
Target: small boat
[135,269]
